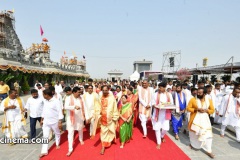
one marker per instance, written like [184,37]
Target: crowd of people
[119,106]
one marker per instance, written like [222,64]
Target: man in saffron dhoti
[75,108]
[178,116]
[161,117]
[13,120]
[145,94]
[107,115]
[200,129]
[230,112]
[125,121]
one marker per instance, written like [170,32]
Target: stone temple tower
[10,44]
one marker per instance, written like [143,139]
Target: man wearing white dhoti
[218,100]
[161,117]
[200,129]
[13,121]
[230,112]
[76,113]
[51,119]
[145,94]
[92,101]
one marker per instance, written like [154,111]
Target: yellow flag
[13,10]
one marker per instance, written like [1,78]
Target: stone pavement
[226,148]
[223,148]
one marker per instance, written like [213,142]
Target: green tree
[25,86]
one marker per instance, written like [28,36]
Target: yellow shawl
[5,124]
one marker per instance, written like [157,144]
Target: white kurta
[78,116]
[58,88]
[89,101]
[52,111]
[229,111]
[162,123]
[78,123]
[144,101]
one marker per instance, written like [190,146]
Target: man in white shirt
[35,106]
[91,99]
[76,113]
[51,119]
[58,88]
[40,90]
[58,97]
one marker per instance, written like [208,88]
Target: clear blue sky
[114,33]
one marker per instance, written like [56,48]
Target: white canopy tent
[135,76]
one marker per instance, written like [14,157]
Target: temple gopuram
[33,62]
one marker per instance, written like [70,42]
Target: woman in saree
[134,100]
[125,121]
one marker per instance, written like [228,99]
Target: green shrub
[25,86]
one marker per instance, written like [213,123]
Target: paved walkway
[224,148]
